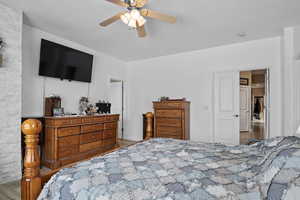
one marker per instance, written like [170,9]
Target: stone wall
[10,94]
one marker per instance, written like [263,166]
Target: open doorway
[116,97]
[254,98]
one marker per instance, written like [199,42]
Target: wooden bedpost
[31,180]
[149,128]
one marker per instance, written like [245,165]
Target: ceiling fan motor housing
[131,4]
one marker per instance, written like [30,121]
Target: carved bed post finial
[149,128]
[31,181]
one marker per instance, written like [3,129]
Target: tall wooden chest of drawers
[172,119]
[71,139]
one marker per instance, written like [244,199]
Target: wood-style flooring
[12,191]
[257,132]
[125,143]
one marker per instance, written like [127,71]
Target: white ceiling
[201,24]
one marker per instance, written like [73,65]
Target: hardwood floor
[257,133]
[124,143]
[12,191]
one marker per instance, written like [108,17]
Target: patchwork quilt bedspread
[168,169]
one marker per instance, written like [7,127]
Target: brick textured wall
[10,95]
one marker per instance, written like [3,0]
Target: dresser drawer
[170,136]
[110,118]
[167,105]
[168,113]
[91,128]
[90,137]
[62,132]
[166,130]
[111,125]
[109,134]
[88,120]
[99,119]
[67,151]
[109,142]
[75,121]
[168,122]
[90,146]
[68,146]
[64,122]
[70,140]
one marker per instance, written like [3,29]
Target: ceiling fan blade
[112,19]
[141,31]
[157,15]
[119,3]
[140,3]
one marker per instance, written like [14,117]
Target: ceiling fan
[134,16]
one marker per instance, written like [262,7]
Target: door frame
[249,105]
[267,106]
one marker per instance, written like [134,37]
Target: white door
[226,115]
[245,107]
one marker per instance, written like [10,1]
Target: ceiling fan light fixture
[132,18]
[126,18]
[132,23]
[141,21]
[135,14]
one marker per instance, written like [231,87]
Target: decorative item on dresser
[172,119]
[50,104]
[70,139]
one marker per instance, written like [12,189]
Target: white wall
[297,43]
[190,75]
[187,75]
[10,95]
[291,83]
[289,95]
[297,74]
[36,87]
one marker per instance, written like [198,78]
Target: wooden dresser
[71,139]
[172,119]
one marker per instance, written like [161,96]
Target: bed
[173,169]
[169,169]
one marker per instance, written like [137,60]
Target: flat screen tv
[62,62]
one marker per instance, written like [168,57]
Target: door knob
[236,116]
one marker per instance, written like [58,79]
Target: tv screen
[62,62]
